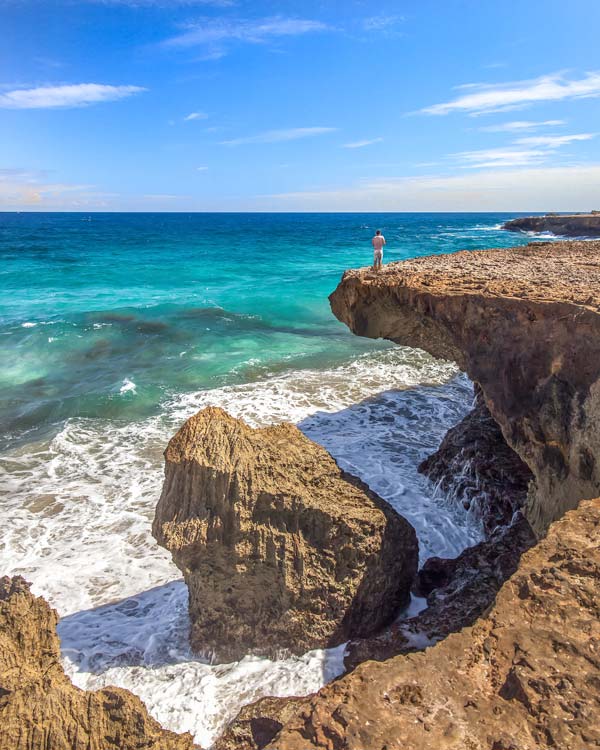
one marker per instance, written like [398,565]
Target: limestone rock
[566,225]
[40,709]
[525,677]
[524,323]
[279,547]
[475,466]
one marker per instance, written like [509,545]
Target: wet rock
[475,466]
[458,591]
[40,709]
[524,323]
[280,548]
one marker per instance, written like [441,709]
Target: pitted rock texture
[475,466]
[280,548]
[565,225]
[40,709]
[525,677]
[524,323]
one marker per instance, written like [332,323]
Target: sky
[232,105]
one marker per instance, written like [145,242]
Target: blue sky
[344,106]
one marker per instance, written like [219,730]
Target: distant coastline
[566,225]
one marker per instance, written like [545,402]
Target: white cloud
[486,98]
[360,144]
[76,95]
[500,157]
[531,189]
[201,169]
[518,126]
[165,3]
[278,136]
[195,116]
[213,31]
[553,141]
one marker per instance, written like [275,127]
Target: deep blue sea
[114,328]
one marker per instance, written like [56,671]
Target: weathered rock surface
[40,709]
[279,547]
[475,466]
[566,225]
[458,591]
[525,677]
[524,323]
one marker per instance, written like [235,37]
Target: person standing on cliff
[378,242]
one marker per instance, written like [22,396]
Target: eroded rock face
[476,466]
[40,709]
[566,225]
[524,323]
[525,677]
[279,547]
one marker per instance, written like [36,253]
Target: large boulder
[279,547]
[40,709]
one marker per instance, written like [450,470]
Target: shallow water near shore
[112,332]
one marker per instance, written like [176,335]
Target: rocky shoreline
[564,225]
[282,549]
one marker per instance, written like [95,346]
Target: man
[378,242]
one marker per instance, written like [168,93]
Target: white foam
[28,325]
[77,513]
[128,387]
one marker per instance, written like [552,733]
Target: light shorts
[377,255]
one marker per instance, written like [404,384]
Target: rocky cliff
[279,547]
[524,323]
[566,225]
[40,709]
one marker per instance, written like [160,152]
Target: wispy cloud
[360,144]
[518,126]
[486,98]
[381,23]
[195,116]
[165,3]
[213,32]
[201,169]
[279,136]
[553,141]
[530,150]
[76,95]
[493,158]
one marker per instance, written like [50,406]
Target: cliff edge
[524,323]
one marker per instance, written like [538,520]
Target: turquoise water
[107,315]
[115,328]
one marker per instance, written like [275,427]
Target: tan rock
[279,547]
[524,323]
[525,677]
[40,709]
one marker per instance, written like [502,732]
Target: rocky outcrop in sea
[565,225]
[40,709]
[279,547]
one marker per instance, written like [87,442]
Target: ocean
[114,328]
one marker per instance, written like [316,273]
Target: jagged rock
[566,225]
[475,465]
[524,677]
[279,547]
[40,709]
[458,591]
[524,323]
